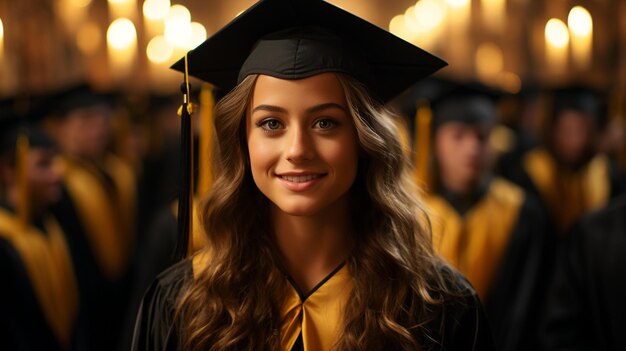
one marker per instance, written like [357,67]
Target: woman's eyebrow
[270,108]
[316,108]
[327,106]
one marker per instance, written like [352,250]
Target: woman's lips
[300,182]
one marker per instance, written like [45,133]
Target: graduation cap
[470,103]
[589,101]
[296,39]
[81,96]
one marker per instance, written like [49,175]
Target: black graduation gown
[37,275]
[517,297]
[103,301]
[23,326]
[153,256]
[465,325]
[587,307]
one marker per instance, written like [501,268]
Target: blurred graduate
[97,210]
[483,225]
[39,299]
[567,173]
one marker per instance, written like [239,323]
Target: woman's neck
[311,247]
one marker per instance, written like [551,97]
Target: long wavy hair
[234,302]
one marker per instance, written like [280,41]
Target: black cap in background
[589,101]
[470,103]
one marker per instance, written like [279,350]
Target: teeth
[300,179]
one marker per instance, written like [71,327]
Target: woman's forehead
[318,89]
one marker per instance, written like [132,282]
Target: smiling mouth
[300,179]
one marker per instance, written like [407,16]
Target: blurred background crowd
[519,147]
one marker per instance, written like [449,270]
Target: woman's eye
[270,124]
[325,123]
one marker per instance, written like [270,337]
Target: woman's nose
[299,145]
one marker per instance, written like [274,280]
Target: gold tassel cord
[207,103]
[21,165]
[423,120]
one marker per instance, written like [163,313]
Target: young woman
[315,234]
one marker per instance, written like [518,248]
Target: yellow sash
[108,220]
[49,268]
[319,318]
[475,243]
[569,194]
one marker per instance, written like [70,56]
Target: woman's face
[302,142]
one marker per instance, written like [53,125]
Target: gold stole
[319,318]
[475,243]
[108,220]
[569,194]
[49,267]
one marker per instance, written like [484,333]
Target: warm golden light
[489,60]
[457,46]
[122,47]
[581,28]
[556,33]
[122,8]
[557,40]
[159,50]
[73,13]
[80,3]
[429,13]
[579,21]
[178,26]
[156,9]
[121,34]
[1,38]
[396,25]
[198,35]
[88,38]
[457,3]
[410,20]
[494,12]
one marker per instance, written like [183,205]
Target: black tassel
[186,174]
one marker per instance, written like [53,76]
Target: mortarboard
[19,116]
[81,96]
[589,101]
[470,103]
[296,39]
